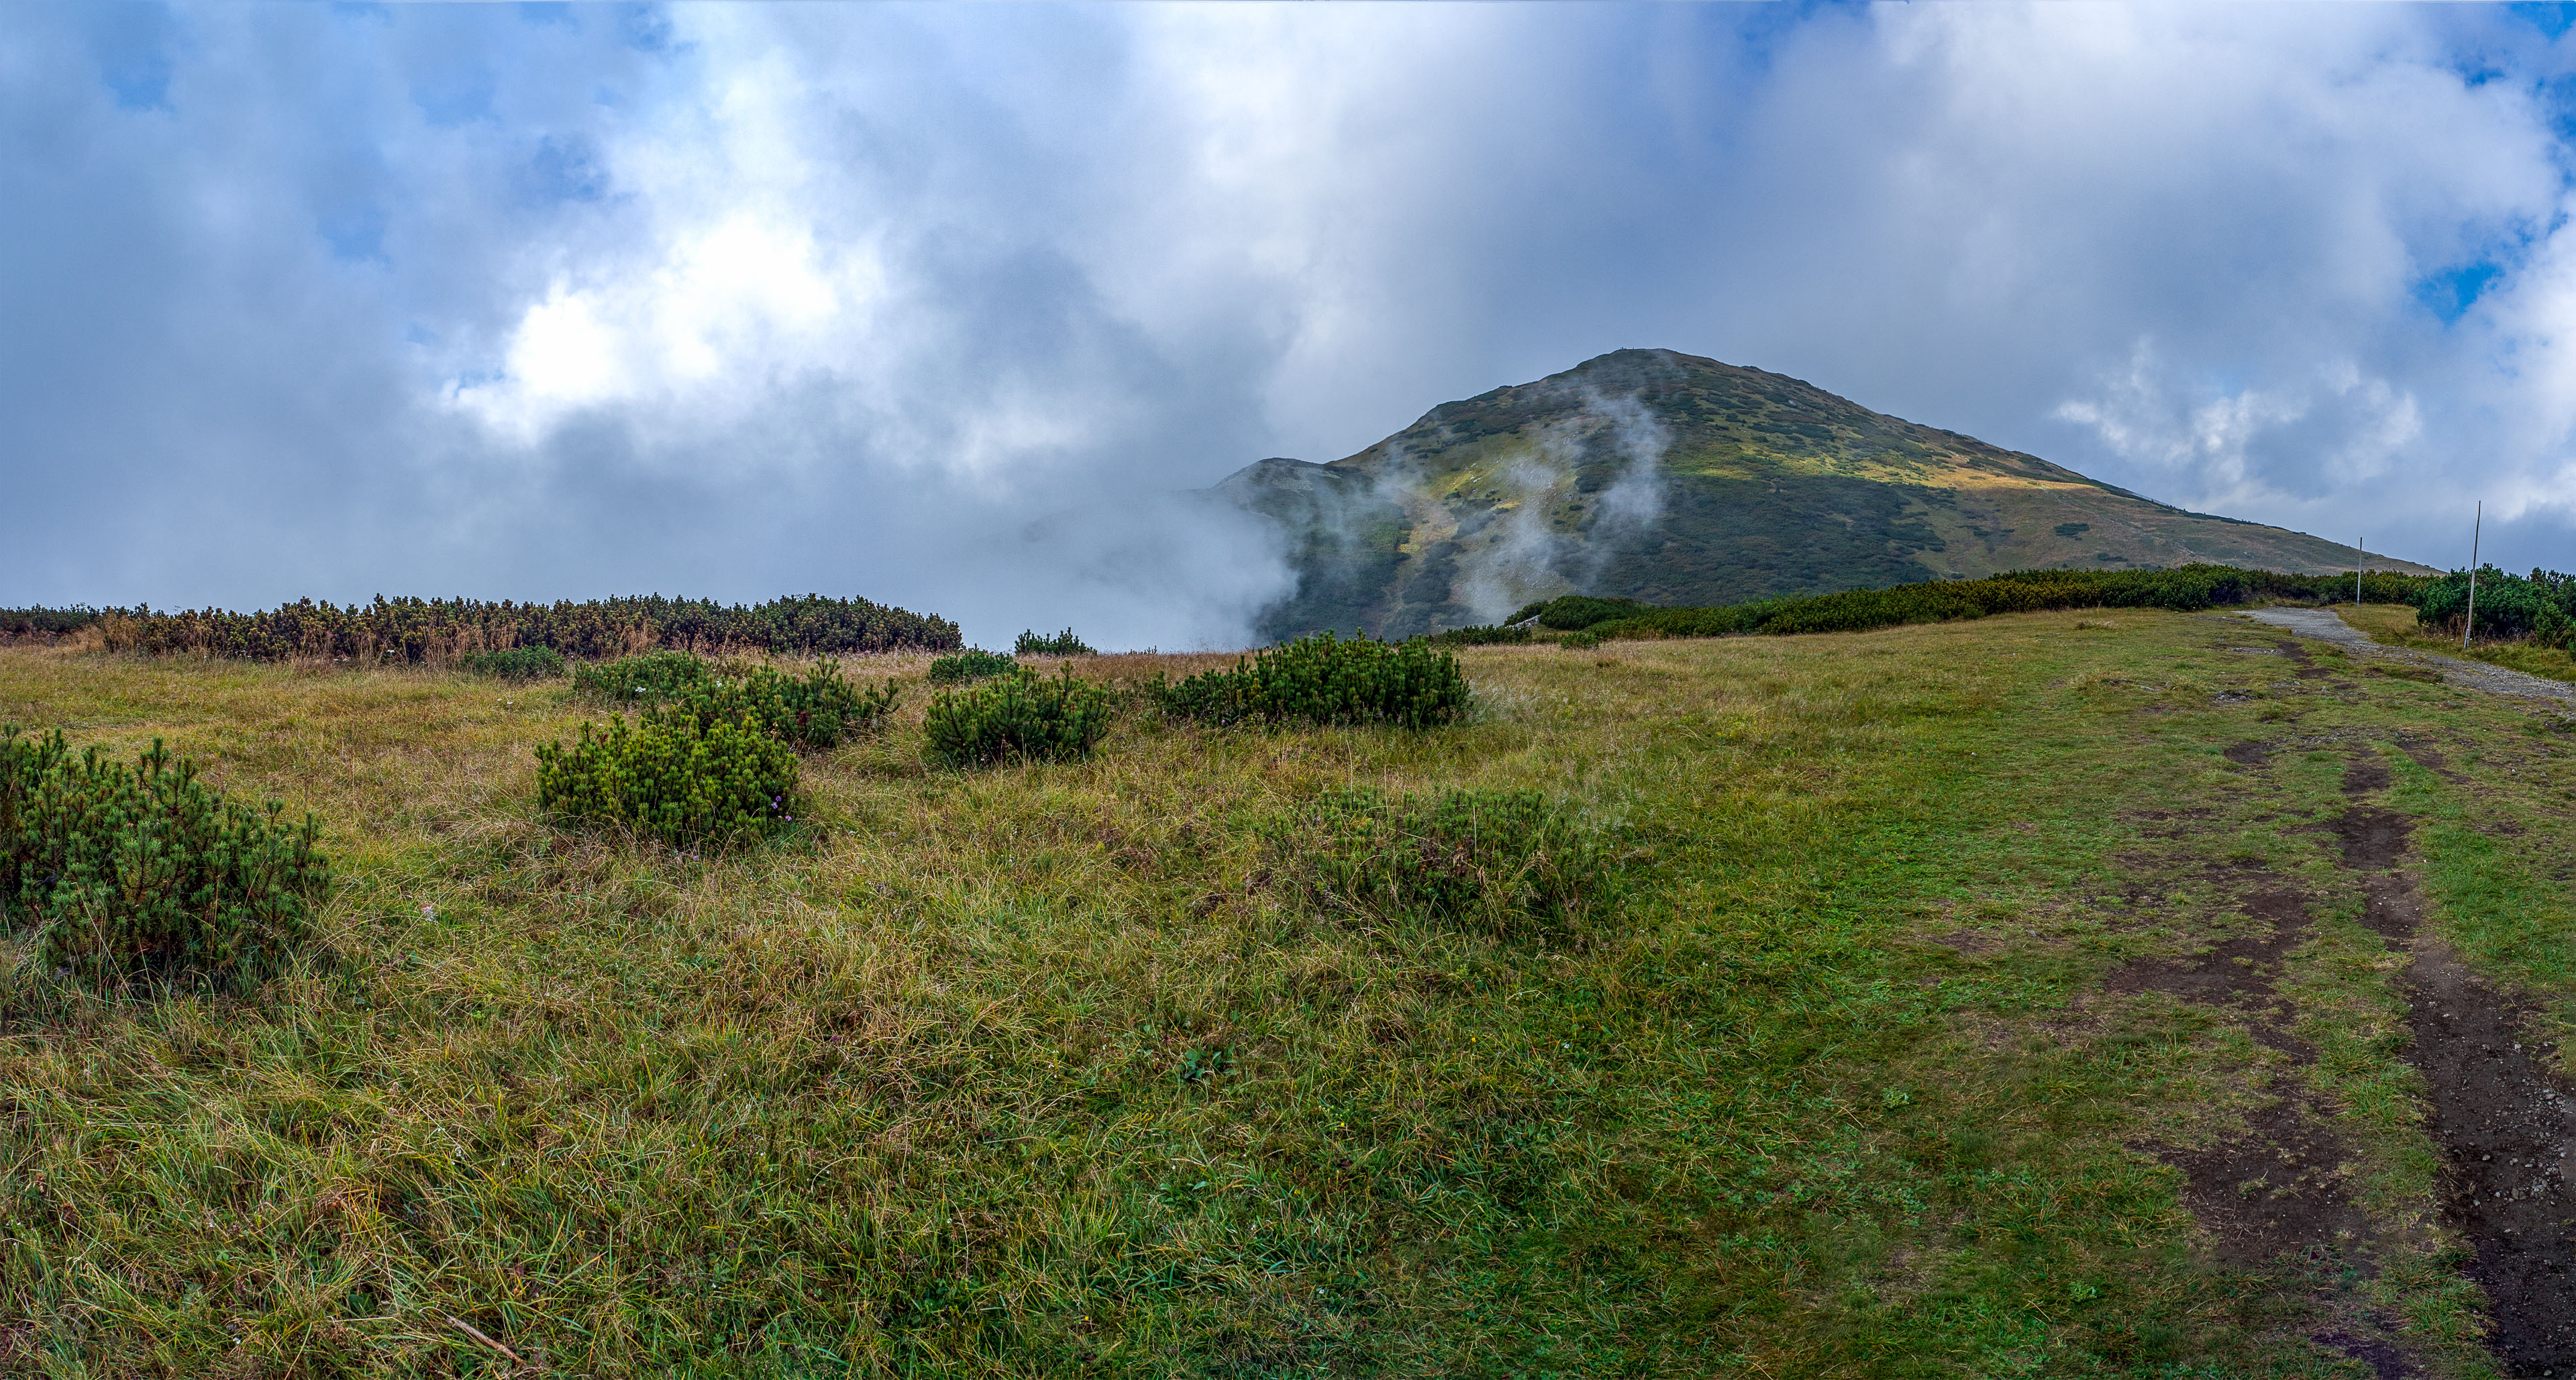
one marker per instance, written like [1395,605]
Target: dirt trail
[2505,1124]
[2327,626]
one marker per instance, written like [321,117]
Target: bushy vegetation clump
[1484,635]
[645,679]
[816,710]
[124,870]
[413,630]
[45,622]
[712,758]
[1324,679]
[1512,864]
[673,777]
[2539,607]
[2186,589]
[1020,716]
[1060,644]
[517,663]
[972,664]
[1574,612]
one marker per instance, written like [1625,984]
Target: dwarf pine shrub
[123,870]
[1062,644]
[2540,607]
[2186,589]
[646,679]
[1485,635]
[816,710]
[972,664]
[1022,715]
[516,663]
[1326,680]
[673,777]
[1512,864]
[414,629]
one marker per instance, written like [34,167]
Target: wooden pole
[2356,572]
[2474,530]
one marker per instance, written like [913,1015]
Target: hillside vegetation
[1767,1006]
[1675,480]
[2189,589]
[443,630]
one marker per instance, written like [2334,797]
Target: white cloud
[831,296]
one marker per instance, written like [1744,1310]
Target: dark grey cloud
[942,305]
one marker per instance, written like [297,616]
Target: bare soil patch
[2236,971]
[2373,839]
[2386,1362]
[2281,1189]
[2250,753]
[2505,1125]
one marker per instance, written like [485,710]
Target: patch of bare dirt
[2366,774]
[2373,839]
[2279,1190]
[2281,1187]
[2250,753]
[2391,908]
[2236,971]
[2386,1362]
[2506,1126]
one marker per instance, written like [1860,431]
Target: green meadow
[1878,1053]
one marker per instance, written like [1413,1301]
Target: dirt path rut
[2504,1122]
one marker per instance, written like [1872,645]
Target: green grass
[1040,1071]
[2395,625]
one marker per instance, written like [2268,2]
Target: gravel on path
[2327,626]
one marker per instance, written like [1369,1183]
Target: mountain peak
[1656,475]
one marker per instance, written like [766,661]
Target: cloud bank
[944,306]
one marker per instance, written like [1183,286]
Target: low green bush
[1022,715]
[1579,641]
[28,622]
[1326,680]
[653,676]
[1575,612]
[1062,644]
[1487,635]
[816,710]
[2187,589]
[1512,864]
[673,777]
[517,663]
[144,869]
[972,664]
[2540,606]
[416,630]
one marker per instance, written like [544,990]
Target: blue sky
[940,304]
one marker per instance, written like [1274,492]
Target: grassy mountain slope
[1652,475]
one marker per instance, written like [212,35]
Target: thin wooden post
[2356,572]
[2474,530]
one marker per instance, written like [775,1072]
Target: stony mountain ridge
[1654,475]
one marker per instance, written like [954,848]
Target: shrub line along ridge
[415,630]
